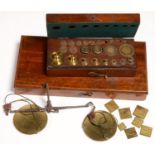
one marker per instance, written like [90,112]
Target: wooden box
[68,55]
[31,76]
[82,57]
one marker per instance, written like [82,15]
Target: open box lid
[92,25]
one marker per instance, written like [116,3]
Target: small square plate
[125,113]
[140,112]
[137,122]
[122,126]
[111,106]
[146,131]
[131,132]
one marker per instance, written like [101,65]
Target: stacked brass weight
[100,125]
[30,122]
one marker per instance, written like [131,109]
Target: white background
[63,134]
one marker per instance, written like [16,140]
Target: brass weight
[56,59]
[72,60]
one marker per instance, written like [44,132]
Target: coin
[126,50]
[101,126]
[30,122]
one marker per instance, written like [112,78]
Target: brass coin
[101,126]
[30,122]
[126,50]
[110,50]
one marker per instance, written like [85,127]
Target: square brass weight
[111,106]
[140,112]
[137,122]
[146,131]
[125,113]
[122,126]
[131,132]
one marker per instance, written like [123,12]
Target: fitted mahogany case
[31,73]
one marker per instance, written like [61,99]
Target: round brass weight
[100,125]
[126,50]
[30,122]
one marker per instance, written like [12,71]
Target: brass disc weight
[30,122]
[126,50]
[101,126]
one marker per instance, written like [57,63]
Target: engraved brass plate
[137,122]
[111,106]
[30,122]
[110,50]
[146,131]
[125,113]
[131,132]
[140,112]
[100,125]
[126,50]
[122,126]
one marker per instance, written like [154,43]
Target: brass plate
[137,122]
[30,122]
[122,126]
[146,131]
[100,125]
[140,112]
[125,113]
[111,106]
[110,50]
[126,50]
[131,132]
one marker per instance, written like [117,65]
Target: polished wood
[117,17]
[92,25]
[31,76]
